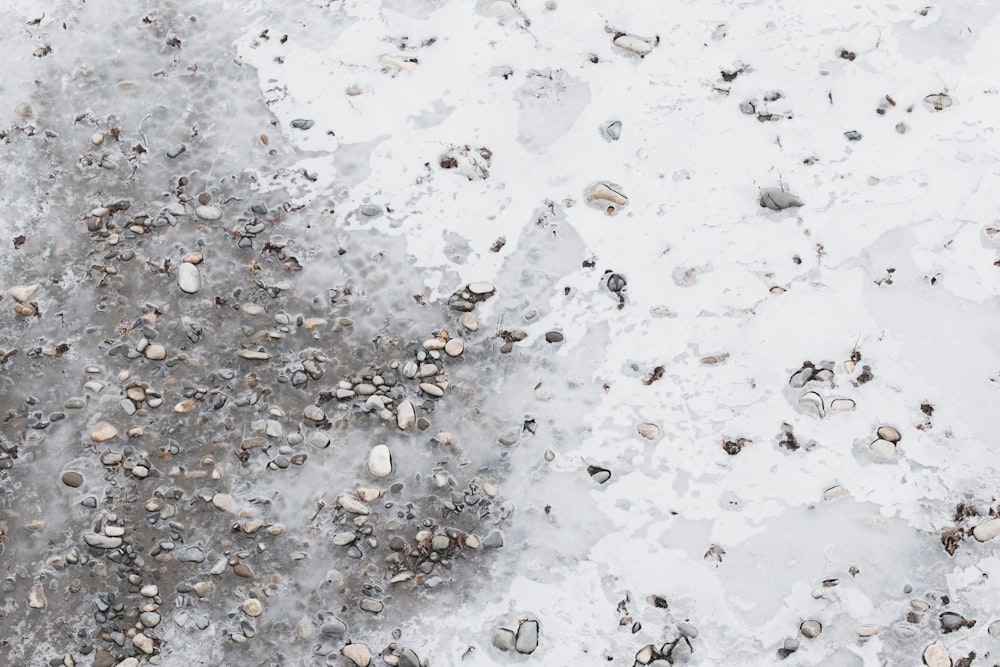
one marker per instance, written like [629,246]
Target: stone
[636,45]
[503,639]
[811,629]
[210,213]
[314,413]
[605,193]
[408,659]
[867,630]
[371,606]
[388,62]
[987,530]
[253,607]
[498,9]
[469,322]
[72,479]
[149,619]
[359,654]
[405,415]
[649,431]
[155,352]
[352,505]
[454,347]
[254,355]
[319,440]
[189,278]
[380,461]
[889,433]
[102,432]
[882,450]
[191,555]
[842,405]
[143,643]
[493,540]
[431,389]
[936,655]
[778,199]
[22,293]
[527,637]
[36,598]
[481,288]
[99,541]
[225,502]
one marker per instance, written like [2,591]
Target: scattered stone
[649,431]
[408,659]
[938,101]
[612,130]
[494,540]
[72,479]
[883,450]
[833,493]
[554,337]
[210,213]
[155,352]
[371,606]
[143,643]
[811,398]
[313,413]
[598,474]
[987,530]
[936,655]
[302,123]
[405,415]
[867,630]
[253,607]
[454,347]
[22,293]
[604,192]
[254,355]
[889,433]
[636,45]
[431,389]
[103,432]
[36,598]
[393,63]
[469,321]
[481,288]
[99,541]
[842,405]
[191,555]
[778,199]
[504,639]
[811,629]
[353,505]
[380,461]
[189,278]
[175,150]
[359,654]
[527,637]
[225,502]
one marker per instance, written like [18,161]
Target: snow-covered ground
[613,170]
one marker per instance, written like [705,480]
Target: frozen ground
[709,431]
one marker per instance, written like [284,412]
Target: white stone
[36,598]
[143,643]
[155,352]
[454,347]
[103,432]
[499,9]
[987,531]
[225,502]
[841,405]
[833,493]
[603,192]
[102,541]
[431,389]
[889,433]
[469,321]
[189,278]
[253,607]
[208,212]
[405,415]
[380,461]
[398,64]
[936,655]
[254,355]
[867,630]
[481,288]
[883,450]
[352,504]
[23,292]
[359,654]
[649,431]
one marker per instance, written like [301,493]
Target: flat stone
[504,639]
[987,530]
[380,461]
[371,606]
[72,479]
[189,278]
[481,288]
[149,619]
[494,540]
[208,212]
[103,432]
[889,433]
[359,654]
[155,352]
[811,629]
[527,637]
[313,413]
[225,502]
[23,293]
[143,643]
[352,504]
[469,322]
[191,555]
[410,370]
[431,389]
[36,598]
[99,541]
[454,347]
[254,355]
[405,415]
[883,450]
[936,655]
[649,431]
[253,607]
[319,440]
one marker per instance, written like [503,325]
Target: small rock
[314,413]
[149,619]
[225,502]
[889,433]
[469,322]
[498,9]
[188,278]
[380,461]
[454,347]
[359,654]
[408,659]
[254,355]
[527,637]
[143,643]
[103,432]
[175,150]
[191,555]
[811,629]
[938,101]
[811,398]
[554,337]
[481,288]
[253,607]
[36,598]
[604,192]
[155,352]
[598,474]
[841,405]
[353,505]
[206,212]
[987,530]
[636,45]
[99,541]
[302,123]
[936,655]
[371,606]
[778,199]
[504,639]
[494,540]
[370,210]
[431,389]
[405,415]
[612,130]
[23,293]
[883,450]
[72,479]
[649,431]
[867,630]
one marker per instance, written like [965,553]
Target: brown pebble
[243,570]
[72,479]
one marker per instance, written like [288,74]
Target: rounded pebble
[380,461]
[72,479]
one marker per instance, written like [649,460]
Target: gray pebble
[527,637]
[191,555]
[175,150]
[503,639]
